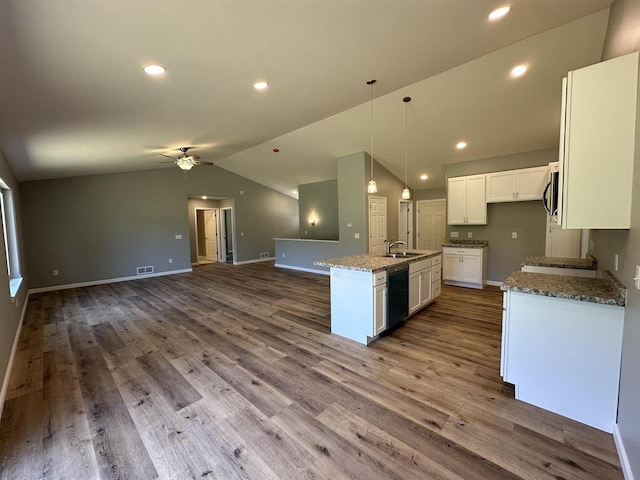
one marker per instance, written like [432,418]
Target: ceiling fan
[186,161]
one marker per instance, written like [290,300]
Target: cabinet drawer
[436,272]
[436,287]
[419,265]
[379,278]
[436,260]
[470,252]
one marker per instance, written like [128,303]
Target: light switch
[470,235]
[637,277]
[454,234]
[178,237]
[615,262]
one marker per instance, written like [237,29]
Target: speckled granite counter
[462,243]
[375,262]
[606,290]
[588,263]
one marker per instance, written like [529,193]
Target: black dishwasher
[398,299]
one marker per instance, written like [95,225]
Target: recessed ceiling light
[260,85]
[461,145]
[518,71]
[154,69]
[424,177]
[295,192]
[499,13]
[204,197]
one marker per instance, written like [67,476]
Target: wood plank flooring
[230,372]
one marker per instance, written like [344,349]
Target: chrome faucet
[391,244]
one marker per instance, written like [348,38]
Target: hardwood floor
[230,372]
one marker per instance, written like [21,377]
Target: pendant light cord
[370,83]
[406,140]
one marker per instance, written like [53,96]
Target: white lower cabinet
[424,282]
[358,304]
[563,355]
[466,267]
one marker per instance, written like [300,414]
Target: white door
[405,224]
[210,222]
[377,223]
[431,224]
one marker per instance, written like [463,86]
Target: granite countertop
[375,262]
[463,243]
[606,290]
[588,263]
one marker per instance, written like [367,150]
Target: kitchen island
[562,344]
[372,293]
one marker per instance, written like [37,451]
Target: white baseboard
[493,283]
[7,373]
[302,269]
[108,280]
[622,454]
[257,260]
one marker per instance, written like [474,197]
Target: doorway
[377,223]
[207,238]
[431,224]
[226,235]
[405,226]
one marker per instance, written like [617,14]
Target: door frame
[410,215]
[203,209]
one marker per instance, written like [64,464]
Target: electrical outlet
[592,246]
[470,235]
[356,235]
[615,262]
[305,232]
[55,273]
[283,254]
[637,277]
[454,234]
[514,234]
[242,234]
[171,260]
[348,225]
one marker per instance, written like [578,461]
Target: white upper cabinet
[466,200]
[516,185]
[597,144]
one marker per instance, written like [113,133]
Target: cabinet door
[501,186]
[451,267]
[456,201]
[599,147]
[476,200]
[471,266]
[530,183]
[379,309]
[425,287]
[414,291]
[561,242]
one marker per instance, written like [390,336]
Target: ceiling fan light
[185,163]
[406,193]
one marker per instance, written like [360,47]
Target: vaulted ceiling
[75,100]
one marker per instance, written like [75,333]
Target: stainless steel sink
[401,254]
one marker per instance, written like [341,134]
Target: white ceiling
[76,102]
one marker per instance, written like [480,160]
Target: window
[9,237]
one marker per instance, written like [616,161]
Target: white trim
[257,260]
[622,453]
[302,269]
[493,283]
[306,240]
[14,349]
[108,280]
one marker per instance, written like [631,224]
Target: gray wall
[623,36]
[319,201]
[528,219]
[10,310]
[431,194]
[104,226]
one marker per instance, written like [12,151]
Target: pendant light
[372,188]
[406,193]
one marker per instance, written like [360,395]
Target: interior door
[210,234]
[377,223]
[431,224]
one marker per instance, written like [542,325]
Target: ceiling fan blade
[194,157]
[168,156]
[209,164]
